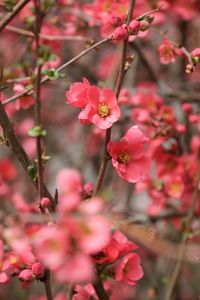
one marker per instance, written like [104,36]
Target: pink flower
[129,269]
[26,275]
[134,27]
[118,246]
[51,245]
[38,270]
[102,108]
[128,155]
[196,53]
[167,52]
[69,181]
[120,33]
[77,268]
[77,95]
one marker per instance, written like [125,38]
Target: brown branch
[14,144]
[12,14]
[47,37]
[62,67]
[38,122]
[37,106]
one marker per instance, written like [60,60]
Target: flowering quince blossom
[167,52]
[77,94]
[99,105]
[129,269]
[128,155]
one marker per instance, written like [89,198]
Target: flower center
[103,110]
[124,158]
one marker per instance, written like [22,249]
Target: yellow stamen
[124,158]
[103,110]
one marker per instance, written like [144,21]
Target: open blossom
[102,108]
[77,94]
[128,155]
[167,52]
[129,269]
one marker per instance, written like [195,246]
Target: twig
[14,144]
[118,85]
[12,14]
[62,67]
[37,110]
[47,37]
[37,106]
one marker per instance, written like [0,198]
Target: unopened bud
[120,33]
[26,275]
[134,27]
[45,202]
[116,21]
[38,270]
[144,25]
[149,18]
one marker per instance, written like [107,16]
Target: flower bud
[120,33]
[187,107]
[134,27]
[189,69]
[144,25]
[38,270]
[149,18]
[26,275]
[45,202]
[116,21]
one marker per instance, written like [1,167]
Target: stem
[62,67]
[14,144]
[47,285]
[99,289]
[121,75]
[37,109]
[47,37]
[12,14]
[184,239]
[37,106]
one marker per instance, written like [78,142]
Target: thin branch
[62,67]
[47,37]
[37,110]
[121,75]
[12,14]
[14,144]
[37,106]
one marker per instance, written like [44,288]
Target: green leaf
[37,131]
[32,171]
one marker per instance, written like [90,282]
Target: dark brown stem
[62,67]
[14,144]
[37,106]
[38,122]
[47,285]
[12,14]
[99,289]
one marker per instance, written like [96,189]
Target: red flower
[128,155]
[102,108]
[129,269]
[77,95]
